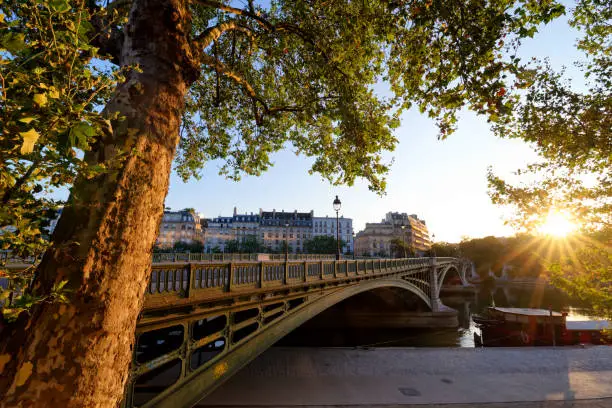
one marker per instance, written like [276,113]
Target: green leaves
[302,74]
[12,42]
[52,84]
[571,130]
[29,138]
[40,100]
[80,134]
[60,6]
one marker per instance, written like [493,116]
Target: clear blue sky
[443,182]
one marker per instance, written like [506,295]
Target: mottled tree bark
[77,354]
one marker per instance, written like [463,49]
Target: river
[467,304]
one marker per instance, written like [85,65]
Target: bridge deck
[175,285]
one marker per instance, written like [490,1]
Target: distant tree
[232,246]
[444,249]
[487,253]
[161,249]
[215,250]
[400,248]
[250,245]
[194,246]
[585,271]
[322,244]
[382,254]
[285,247]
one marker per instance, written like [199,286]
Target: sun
[557,224]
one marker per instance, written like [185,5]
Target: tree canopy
[570,127]
[296,74]
[322,244]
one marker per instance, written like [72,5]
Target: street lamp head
[337,204]
[403,226]
[286,224]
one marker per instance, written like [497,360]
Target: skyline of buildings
[272,230]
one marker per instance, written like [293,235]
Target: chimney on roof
[235,211]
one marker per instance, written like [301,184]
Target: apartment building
[219,231]
[326,226]
[376,239]
[179,226]
[273,229]
[280,227]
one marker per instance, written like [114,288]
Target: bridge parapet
[180,284]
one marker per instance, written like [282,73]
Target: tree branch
[222,68]
[8,194]
[236,11]
[109,37]
[219,67]
[213,33]
[271,27]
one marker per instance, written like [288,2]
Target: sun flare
[557,224]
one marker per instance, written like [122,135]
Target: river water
[465,303]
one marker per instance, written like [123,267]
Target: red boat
[508,326]
[587,332]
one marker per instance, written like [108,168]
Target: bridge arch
[459,270]
[205,379]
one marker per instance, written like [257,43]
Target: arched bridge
[203,322]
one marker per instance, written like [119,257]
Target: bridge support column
[436,304]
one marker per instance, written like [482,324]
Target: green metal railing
[159,257]
[176,283]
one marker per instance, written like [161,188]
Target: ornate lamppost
[337,204]
[353,245]
[403,227]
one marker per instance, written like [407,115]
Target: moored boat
[587,332]
[510,326]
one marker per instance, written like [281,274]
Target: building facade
[377,238]
[278,229]
[179,226]
[273,230]
[419,234]
[221,230]
[326,226]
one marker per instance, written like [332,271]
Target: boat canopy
[588,325]
[525,311]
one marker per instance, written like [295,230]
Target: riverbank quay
[591,403]
[406,377]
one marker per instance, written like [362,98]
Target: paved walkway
[399,377]
[591,403]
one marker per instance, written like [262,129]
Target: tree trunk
[77,354]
